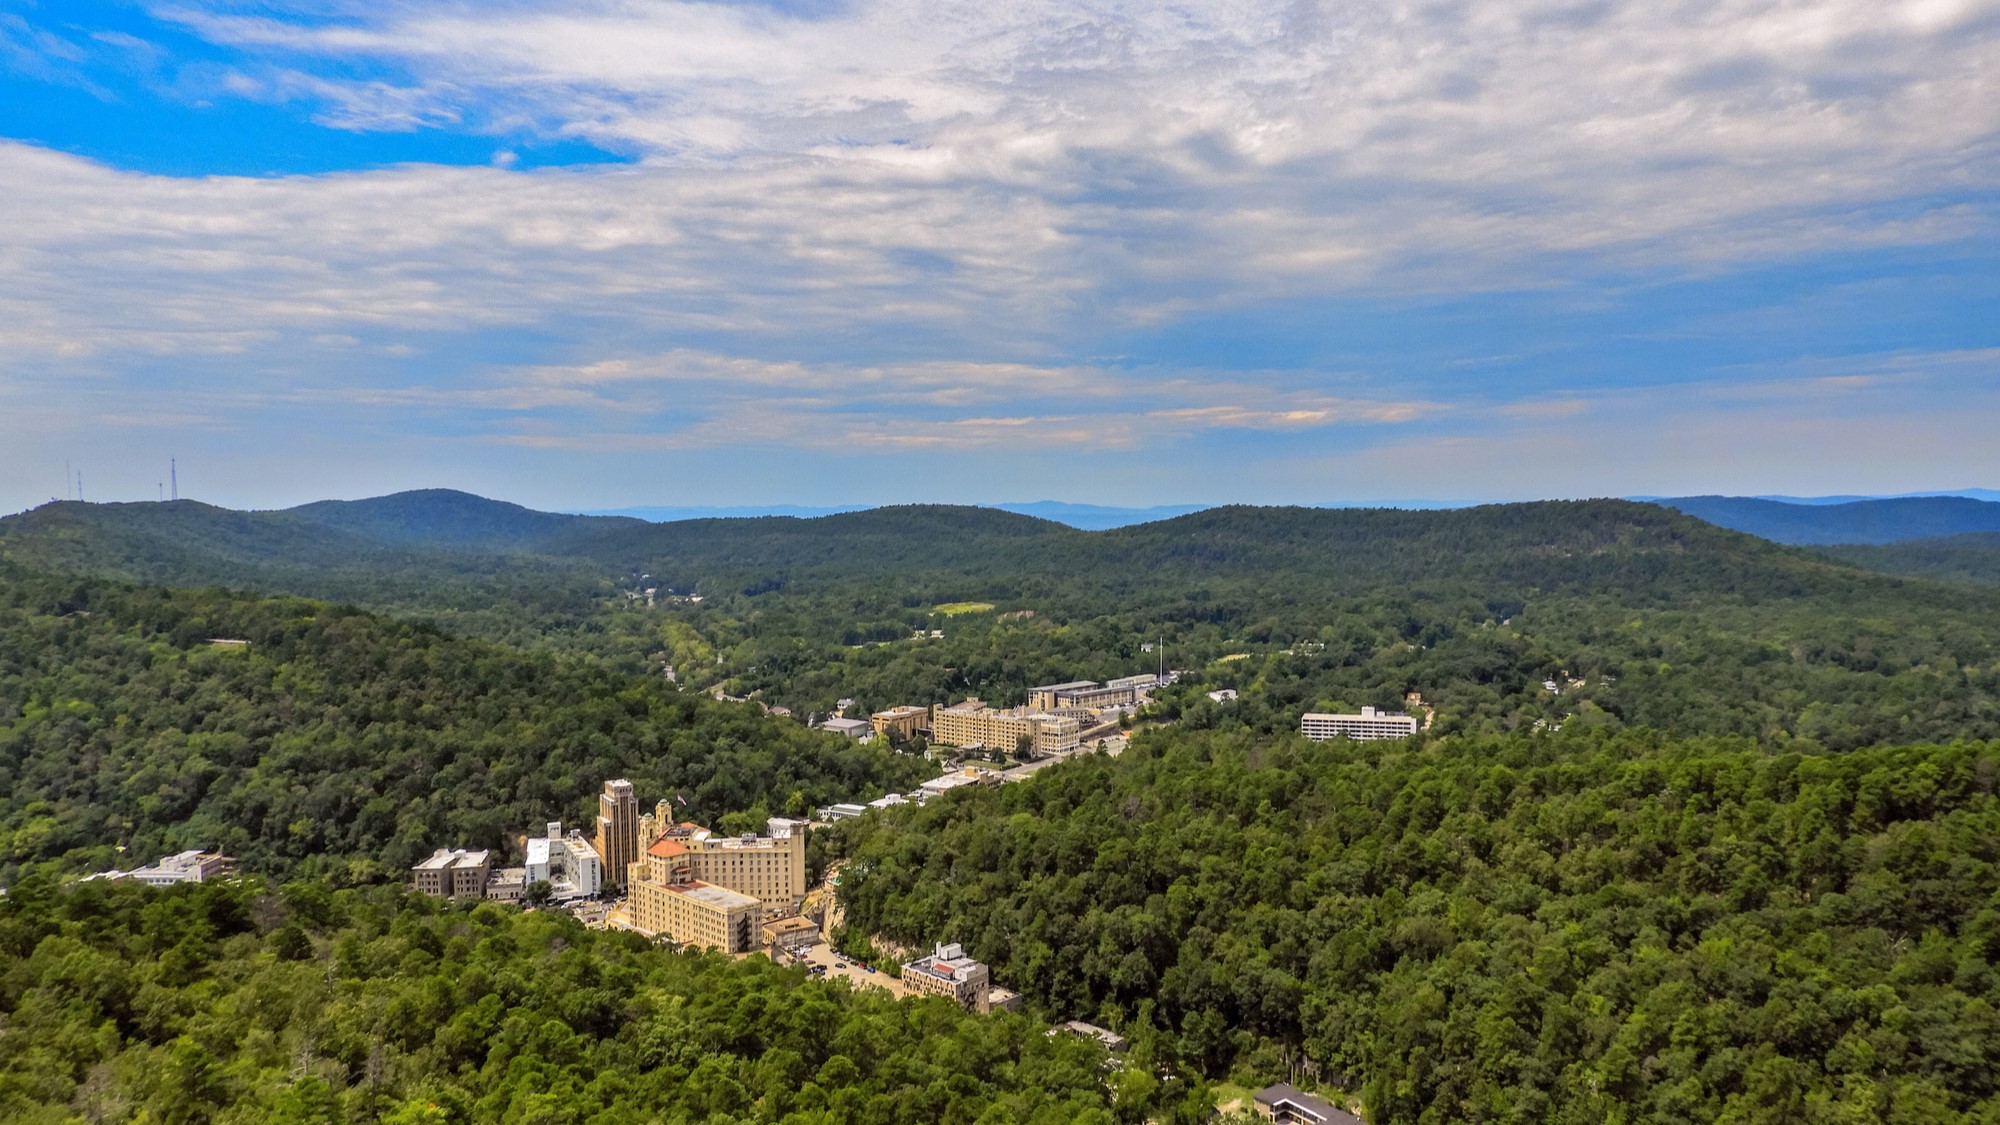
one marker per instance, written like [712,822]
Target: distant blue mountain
[740,511]
[1823,501]
[1808,523]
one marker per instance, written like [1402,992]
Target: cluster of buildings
[1057,719]
[569,864]
[682,881]
[194,866]
[1367,726]
[945,783]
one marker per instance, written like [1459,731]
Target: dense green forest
[1973,557]
[343,743]
[245,1003]
[1585,927]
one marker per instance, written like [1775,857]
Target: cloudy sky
[594,253]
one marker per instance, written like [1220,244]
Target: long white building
[1367,726]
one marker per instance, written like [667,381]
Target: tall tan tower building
[617,829]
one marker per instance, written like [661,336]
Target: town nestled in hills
[434,808]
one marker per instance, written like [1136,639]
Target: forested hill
[228,1003]
[434,546]
[442,517]
[1957,558]
[1578,928]
[1889,520]
[344,743]
[1639,615]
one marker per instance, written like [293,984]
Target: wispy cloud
[897,225]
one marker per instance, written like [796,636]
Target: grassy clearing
[953,609]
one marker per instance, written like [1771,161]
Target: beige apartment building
[903,722]
[973,723]
[1126,692]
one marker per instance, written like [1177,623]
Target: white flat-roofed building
[938,786]
[841,812]
[194,866]
[856,729]
[1367,726]
[568,864]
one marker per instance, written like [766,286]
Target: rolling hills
[337,742]
[1861,521]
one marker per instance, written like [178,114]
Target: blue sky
[601,253]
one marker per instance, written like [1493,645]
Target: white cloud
[895,205]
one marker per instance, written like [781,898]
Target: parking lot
[840,968]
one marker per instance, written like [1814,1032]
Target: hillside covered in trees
[1643,616]
[1573,928]
[346,744]
[246,1003]
[1973,557]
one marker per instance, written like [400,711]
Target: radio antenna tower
[174,475]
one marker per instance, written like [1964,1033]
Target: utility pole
[174,475]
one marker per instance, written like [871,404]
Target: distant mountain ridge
[462,551]
[443,517]
[1860,522]
[1972,557]
[1085,517]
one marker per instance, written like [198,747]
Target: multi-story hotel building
[617,840]
[1368,726]
[696,887]
[667,899]
[948,972]
[973,723]
[770,869]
